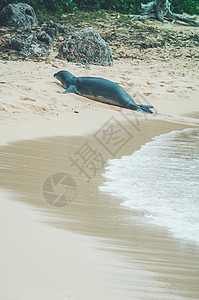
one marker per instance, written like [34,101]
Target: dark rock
[54,30]
[86,46]
[28,46]
[50,28]
[66,30]
[22,15]
[44,37]
[195,37]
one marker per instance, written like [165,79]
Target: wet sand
[93,243]
[92,248]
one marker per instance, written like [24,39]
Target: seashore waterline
[166,267]
[162,181]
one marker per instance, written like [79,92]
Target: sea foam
[162,180]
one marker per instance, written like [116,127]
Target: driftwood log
[160,9]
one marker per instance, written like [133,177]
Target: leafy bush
[4,3]
[125,6]
[5,16]
[188,6]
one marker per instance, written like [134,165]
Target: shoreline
[103,233]
[114,255]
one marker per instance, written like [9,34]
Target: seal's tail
[145,108]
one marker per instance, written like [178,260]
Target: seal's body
[99,89]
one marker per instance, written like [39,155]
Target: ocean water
[161,180]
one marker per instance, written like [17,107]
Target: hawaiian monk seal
[99,89]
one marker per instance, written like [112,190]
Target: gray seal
[99,89]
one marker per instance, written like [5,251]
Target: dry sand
[92,248]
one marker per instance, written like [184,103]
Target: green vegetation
[58,7]
[5,16]
[188,6]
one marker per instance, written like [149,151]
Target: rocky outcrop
[43,36]
[38,42]
[19,15]
[29,46]
[86,46]
[55,30]
[83,47]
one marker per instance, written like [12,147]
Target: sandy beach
[91,248]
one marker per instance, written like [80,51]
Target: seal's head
[64,77]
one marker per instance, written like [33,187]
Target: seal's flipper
[145,108]
[71,89]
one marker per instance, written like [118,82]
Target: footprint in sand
[24,88]
[27,99]
[147,94]
[130,84]
[149,83]
[125,78]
